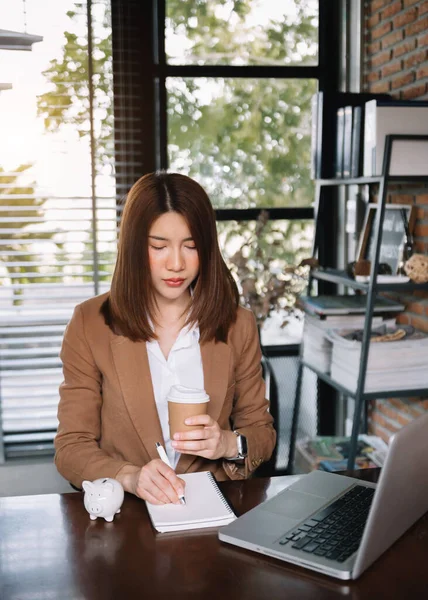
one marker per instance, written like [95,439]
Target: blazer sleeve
[250,415]
[78,455]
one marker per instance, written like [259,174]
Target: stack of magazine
[328,313]
[317,344]
[397,358]
[330,453]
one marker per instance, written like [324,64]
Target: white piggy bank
[103,498]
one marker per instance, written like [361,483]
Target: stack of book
[317,344]
[330,453]
[395,361]
[328,313]
[340,116]
[359,123]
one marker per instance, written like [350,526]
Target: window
[57,202]
[237,112]
[255,32]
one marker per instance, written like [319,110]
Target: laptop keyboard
[335,531]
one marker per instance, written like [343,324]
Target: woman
[171,316]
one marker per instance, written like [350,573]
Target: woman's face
[174,261]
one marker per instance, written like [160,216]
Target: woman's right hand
[156,482]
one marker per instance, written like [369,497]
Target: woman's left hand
[209,441]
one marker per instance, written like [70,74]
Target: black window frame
[139,32]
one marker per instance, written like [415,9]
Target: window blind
[58,214]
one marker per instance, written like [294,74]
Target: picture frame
[397,234]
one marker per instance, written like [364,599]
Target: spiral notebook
[205,506]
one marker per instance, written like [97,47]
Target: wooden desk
[50,550]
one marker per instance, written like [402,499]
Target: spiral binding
[219,493]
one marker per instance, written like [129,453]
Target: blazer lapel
[215,363]
[133,371]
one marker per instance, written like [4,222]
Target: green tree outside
[246,140]
[68,101]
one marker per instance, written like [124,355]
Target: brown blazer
[107,412]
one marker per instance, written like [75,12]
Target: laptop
[339,525]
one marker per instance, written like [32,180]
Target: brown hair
[131,303]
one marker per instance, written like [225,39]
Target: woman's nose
[175,260]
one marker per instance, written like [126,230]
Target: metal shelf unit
[371,288]
[366,395]
[340,277]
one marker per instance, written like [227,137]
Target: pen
[164,458]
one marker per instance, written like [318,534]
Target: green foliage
[68,100]
[228,32]
[245,146]
[17,255]
[246,140]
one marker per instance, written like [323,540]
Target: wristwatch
[241,441]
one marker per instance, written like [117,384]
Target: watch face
[242,445]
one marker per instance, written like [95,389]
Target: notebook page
[189,526]
[205,506]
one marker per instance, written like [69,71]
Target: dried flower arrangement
[267,282]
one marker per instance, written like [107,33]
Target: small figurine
[361,269]
[417,268]
[103,498]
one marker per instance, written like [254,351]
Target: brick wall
[395,51]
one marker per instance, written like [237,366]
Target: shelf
[374,179]
[366,395]
[340,277]
[349,181]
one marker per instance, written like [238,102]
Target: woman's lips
[174,282]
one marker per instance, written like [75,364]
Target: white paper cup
[184,402]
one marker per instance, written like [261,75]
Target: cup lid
[187,395]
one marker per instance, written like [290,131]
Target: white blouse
[183,367]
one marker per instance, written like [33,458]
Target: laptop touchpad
[296,505]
